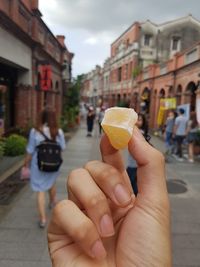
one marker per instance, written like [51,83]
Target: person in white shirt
[180,128]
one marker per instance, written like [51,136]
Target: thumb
[151,168]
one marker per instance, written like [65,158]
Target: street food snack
[118,124]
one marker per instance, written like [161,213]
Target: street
[22,243]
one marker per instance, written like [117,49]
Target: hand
[103,224]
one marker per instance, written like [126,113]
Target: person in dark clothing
[90,121]
[180,127]
[169,126]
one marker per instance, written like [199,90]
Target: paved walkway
[23,244]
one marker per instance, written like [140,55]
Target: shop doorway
[145,101]
[191,95]
[8,79]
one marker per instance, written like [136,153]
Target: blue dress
[41,181]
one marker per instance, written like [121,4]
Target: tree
[71,107]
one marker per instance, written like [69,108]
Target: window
[130,69]
[147,39]
[119,74]
[126,71]
[57,86]
[175,43]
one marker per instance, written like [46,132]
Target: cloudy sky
[90,26]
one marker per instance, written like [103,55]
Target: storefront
[8,79]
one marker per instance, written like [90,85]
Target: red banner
[45,77]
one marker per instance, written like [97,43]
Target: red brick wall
[132,35]
[5,6]
[23,105]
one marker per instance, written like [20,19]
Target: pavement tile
[21,251]
[186,257]
[184,241]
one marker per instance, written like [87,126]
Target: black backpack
[49,155]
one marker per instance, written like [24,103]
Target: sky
[90,26]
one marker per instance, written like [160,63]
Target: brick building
[35,65]
[178,77]
[150,61]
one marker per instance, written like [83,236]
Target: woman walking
[42,181]
[90,121]
[192,129]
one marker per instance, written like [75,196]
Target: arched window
[162,93]
[145,100]
[170,91]
[191,92]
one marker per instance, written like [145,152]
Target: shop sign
[45,77]
[168,103]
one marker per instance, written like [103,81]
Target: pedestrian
[42,181]
[132,164]
[169,126]
[180,127]
[103,224]
[192,130]
[90,121]
[100,118]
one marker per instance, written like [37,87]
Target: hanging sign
[168,103]
[45,77]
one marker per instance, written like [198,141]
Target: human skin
[102,224]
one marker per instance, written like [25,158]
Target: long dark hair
[193,118]
[144,127]
[48,116]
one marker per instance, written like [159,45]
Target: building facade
[35,65]
[149,62]
[177,78]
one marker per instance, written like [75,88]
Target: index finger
[113,157]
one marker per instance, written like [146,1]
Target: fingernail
[106,225]
[98,251]
[122,195]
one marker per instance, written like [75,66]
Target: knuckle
[81,232]
[96,200]
[73,175]
[90,164]
[58,209]
[109,172]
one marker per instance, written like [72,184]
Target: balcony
[192,55]
[133,48]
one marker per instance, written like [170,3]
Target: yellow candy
[118,124]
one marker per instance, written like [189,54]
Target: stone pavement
[23,244]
